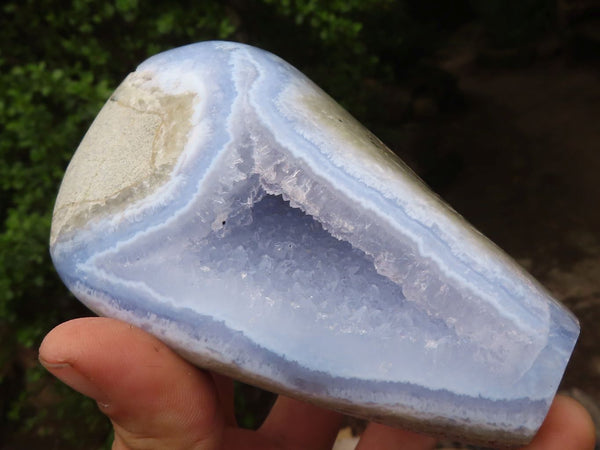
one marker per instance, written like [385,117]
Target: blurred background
[494,103]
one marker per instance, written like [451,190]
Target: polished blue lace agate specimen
[224,203]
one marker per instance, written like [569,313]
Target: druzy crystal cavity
[224,203]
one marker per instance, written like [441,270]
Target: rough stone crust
[127,153]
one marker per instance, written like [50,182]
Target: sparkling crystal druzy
[226,204]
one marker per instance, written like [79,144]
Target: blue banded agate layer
[226,204]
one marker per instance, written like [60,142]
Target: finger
[153,397]
[301,425]
[226,397]
[568,426]
[381,437]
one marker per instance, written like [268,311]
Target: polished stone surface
[226,204]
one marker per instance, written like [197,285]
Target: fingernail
[65,372]
[57,365]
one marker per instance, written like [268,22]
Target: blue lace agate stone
[226,204]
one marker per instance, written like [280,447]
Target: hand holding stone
[225,204]
[157,401]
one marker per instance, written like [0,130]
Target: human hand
[156,400]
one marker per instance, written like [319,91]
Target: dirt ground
[531,182]
[524,157]
[519,156]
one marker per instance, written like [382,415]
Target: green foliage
[59,62]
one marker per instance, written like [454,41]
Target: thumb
[154,398]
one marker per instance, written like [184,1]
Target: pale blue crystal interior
[289,247]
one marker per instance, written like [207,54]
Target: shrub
[59,62]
